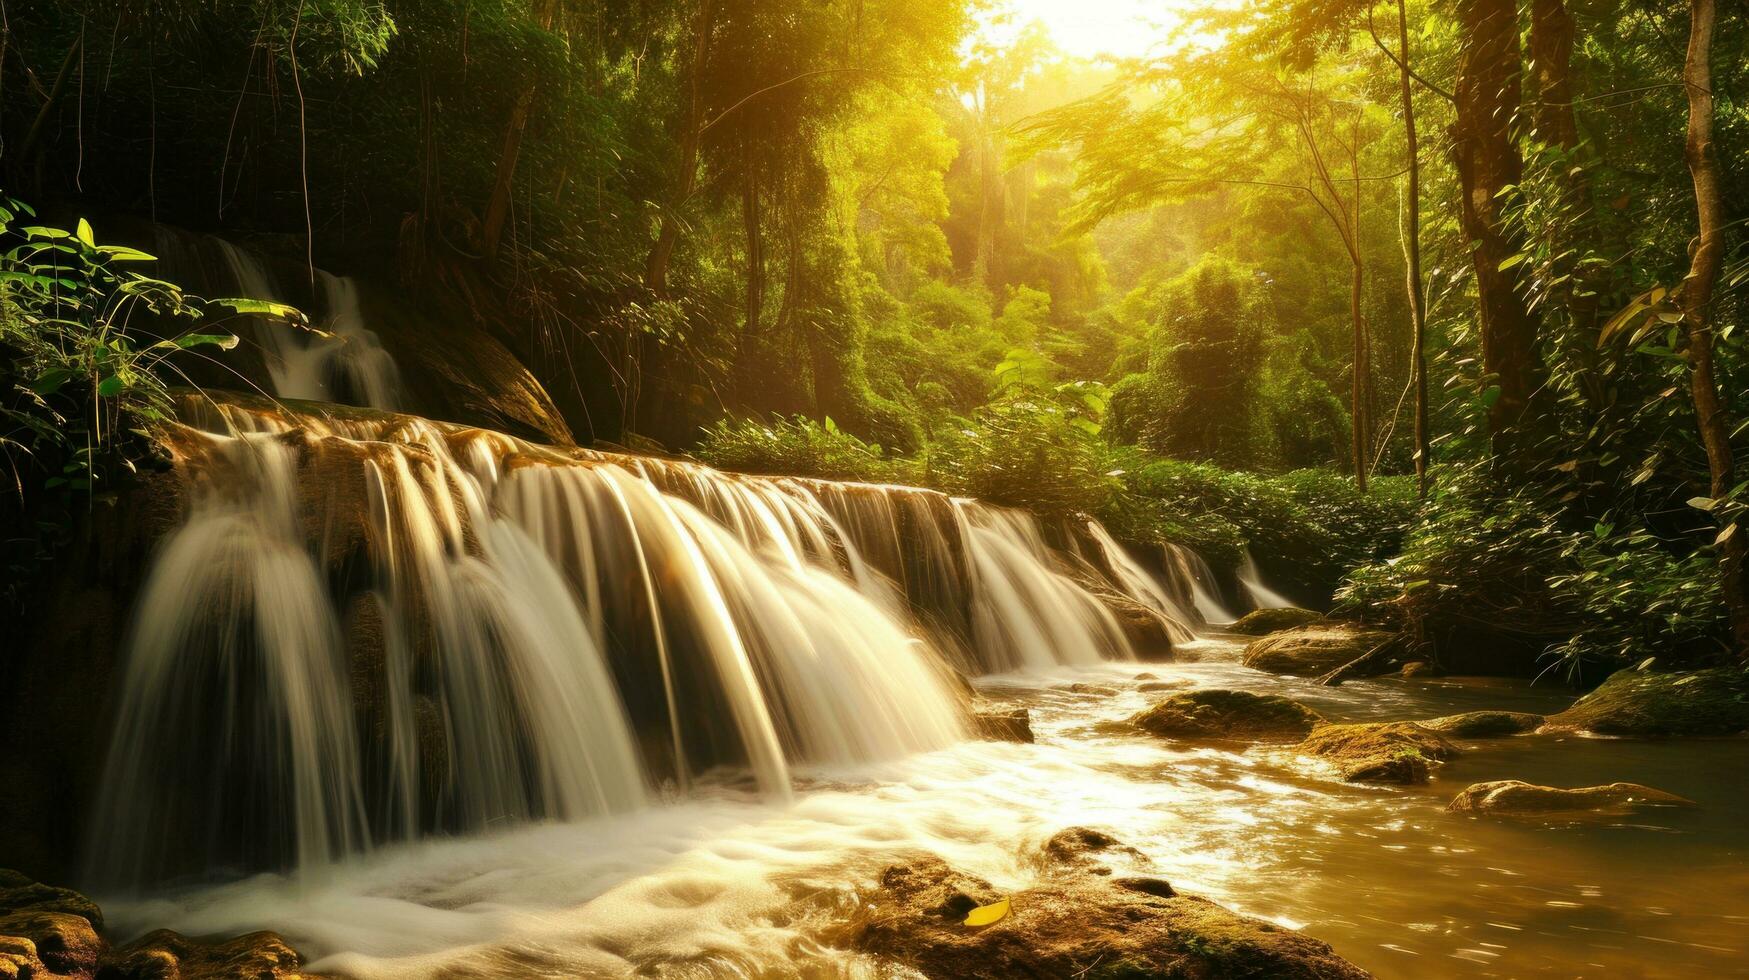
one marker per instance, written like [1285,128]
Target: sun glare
[1086,28]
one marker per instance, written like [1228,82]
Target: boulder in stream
[1638,703]
[1512,796]
[1484,724]
[1380,752]
[1236,715]
[1311,651]
[1080,925]
[1259,622]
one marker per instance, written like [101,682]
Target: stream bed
[721,884]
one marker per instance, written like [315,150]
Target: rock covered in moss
[1512,796]
[1380,752]
[1081,925]
[1310,651]
[1643,704]
[1485,724]
[1259,622]
[1237,715]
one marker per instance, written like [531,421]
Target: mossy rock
[1077,924]
[1641,704]
[1485,724]
[1512,796]
[1237,715]
[1311,651]
[1259,622]
[1380,752]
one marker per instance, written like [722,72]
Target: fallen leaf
[984,915]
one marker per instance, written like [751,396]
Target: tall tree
[1490,167]
[1412,247]
[1697,304]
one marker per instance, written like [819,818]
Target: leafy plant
[799,446]
[79,377]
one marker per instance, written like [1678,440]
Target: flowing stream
[433,702]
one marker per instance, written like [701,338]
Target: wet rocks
[1079,925]
[1484,724]
[1002,724]
[50,933]
[1236,715]
[1419,668]
[1084,850]
[165,955]
[1311,651]
[1639,703]
[1259,622]
[1512,796]
[1398,752]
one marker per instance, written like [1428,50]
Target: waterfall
[1156,593]
[339,361]
[371,628]
[1197,580]
[1261,595]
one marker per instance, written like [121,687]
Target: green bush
[799,447]
[1497,582]
[1035,447]
[1305,530]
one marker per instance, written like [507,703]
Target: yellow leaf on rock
[984,915]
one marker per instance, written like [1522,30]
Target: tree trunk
[1412,256]
[1358,400]
[1488,163]
[498,205]
[656,267]
[1412,252]
[751,219]
[1551,55]
[1697,295]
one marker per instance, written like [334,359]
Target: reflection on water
[722,885]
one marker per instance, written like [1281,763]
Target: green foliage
[79,377]
[1506,570]
[86,344]
[1305,529]
[799,447]
[1198,399]
[1034,446]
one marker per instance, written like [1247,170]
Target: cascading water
[372,628]
[344,362]
[1192,575]
[1261,595]
[1182,619]
[1024,613]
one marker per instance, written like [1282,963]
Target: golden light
[1086,28]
